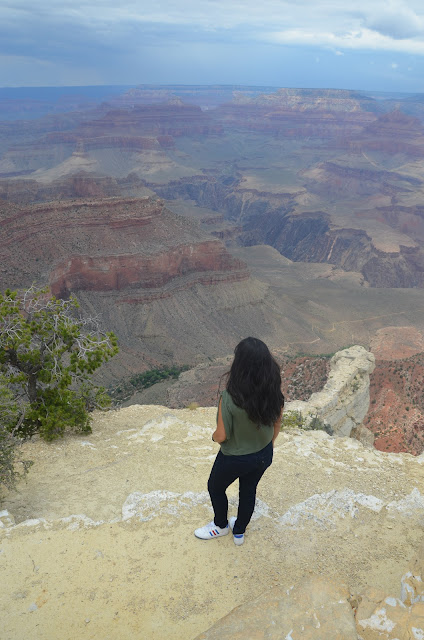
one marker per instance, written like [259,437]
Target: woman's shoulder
[224,396]
[227,399]
[230,406]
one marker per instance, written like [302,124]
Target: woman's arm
[219,434]
[277,426]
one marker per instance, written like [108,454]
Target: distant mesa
[171,119]
[80,184]
[299,113]
[311,99]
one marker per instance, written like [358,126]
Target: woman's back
[243,435]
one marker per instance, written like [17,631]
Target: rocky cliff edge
[99,542]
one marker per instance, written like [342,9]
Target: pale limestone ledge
[104,536]
[343,403]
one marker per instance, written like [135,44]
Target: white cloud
[389,17]
[360,39]
[394,65]
[396,19]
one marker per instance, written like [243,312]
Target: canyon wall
[114,273]
[315,235]
[106,244]
[149,273]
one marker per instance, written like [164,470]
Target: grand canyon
[190,217]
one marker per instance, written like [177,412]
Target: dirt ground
[391,343]
[103,545]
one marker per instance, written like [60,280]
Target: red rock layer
[153,120]
[76,185]
[396,413]
[114,273]
[392,133]
[130,143]
[292,123]
[108,245]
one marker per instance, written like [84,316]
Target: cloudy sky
[374,45]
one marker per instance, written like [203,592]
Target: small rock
[6,519]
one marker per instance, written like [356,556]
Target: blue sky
[369,44]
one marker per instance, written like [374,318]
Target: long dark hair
[254,381]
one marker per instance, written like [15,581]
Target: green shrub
[193,406]
[151,377]
[48,354]
[292,420]
[139,381]
[295,420]
[12,467]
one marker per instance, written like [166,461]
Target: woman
[248,422]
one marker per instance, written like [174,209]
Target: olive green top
[243,435]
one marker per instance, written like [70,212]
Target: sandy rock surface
[103,545]
[315,608]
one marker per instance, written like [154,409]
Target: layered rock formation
[103,532]
[320,175]
[172,119]
[112,142]
[343,403]
[149,272]
[110,244]
[115,273]
[306,184]
[395,132]
[320,113]
[383,253]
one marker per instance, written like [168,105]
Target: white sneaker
[237,537]
[210,531]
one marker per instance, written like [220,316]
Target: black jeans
[249,469]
